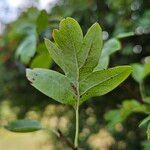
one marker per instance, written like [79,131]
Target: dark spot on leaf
[74,88]
[33,79]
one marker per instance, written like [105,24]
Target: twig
[65,140]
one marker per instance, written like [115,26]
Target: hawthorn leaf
[110,47]
[52,84]
[77,56]
[27,49]
[69,39]
[24,125]
[91,50]
[101,82]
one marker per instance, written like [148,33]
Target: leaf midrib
[77,66]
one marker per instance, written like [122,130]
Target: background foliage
[113,118]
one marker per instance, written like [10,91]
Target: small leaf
[130,106]
[145,122]
[125,35]
[138,72]
[42,21]
[110,47]
[120,115]
[41,61]
[24,126]
[52,84]
[27,49]
[113,117]
[102,82]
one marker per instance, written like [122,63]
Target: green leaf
[145,122]
[41,61]
[69,39]
[52,84]
[147,100]
[125,35]
[26,49]
[42,22]
[113,117]
[24,126]
[57,55]
[110,47]
[77,56]
[138,72]
[101,82]
[141,71]
[90,51]
[120,115]
[130,106]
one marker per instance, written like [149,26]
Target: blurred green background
[107,122]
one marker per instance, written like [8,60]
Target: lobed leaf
[69,39]
[78,56]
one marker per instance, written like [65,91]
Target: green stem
[77,125]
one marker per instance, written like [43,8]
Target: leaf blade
[24,125]
[69,39]
[52,84]
[110,47]
[102,82]
[90,51]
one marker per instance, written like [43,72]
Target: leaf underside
[77,56]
